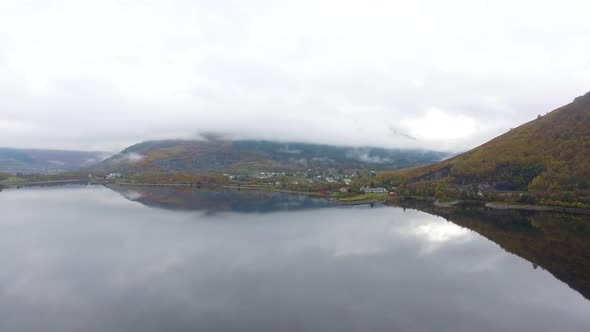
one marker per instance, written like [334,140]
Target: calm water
[165,259]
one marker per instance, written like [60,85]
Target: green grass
[361,197]
[15,179]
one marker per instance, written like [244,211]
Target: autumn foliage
[548,158]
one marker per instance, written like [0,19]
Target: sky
[445,75]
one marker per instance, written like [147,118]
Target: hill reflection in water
[556,242]
[221,200]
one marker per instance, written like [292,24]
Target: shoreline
[297,192]
[521,207]
[41,183]
[359,202]
[252,188]
[436,203]
[499,205]
[530,207]
[308,193]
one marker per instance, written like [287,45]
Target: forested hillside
[548,159]
[248,156]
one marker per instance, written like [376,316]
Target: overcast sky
[445,75]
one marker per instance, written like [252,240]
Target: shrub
[527,198]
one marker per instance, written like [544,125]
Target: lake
[92,258]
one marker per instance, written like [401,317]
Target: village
[330,179]
[345,185]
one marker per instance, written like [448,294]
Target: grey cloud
[104,75]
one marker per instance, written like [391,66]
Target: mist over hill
[247,156]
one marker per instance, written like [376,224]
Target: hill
[249,156]
[45,161]
[545,161]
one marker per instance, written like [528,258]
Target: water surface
[171,259]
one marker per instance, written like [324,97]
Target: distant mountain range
[248,156]
[46,161]
[547,158]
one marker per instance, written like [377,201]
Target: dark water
[165,259]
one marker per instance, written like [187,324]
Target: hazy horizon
[230,138]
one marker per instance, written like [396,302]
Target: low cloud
[364,155]
[375,74]
[290,151]
[130,157]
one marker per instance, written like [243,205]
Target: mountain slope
[39,160]
[549,157]
[249,156]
